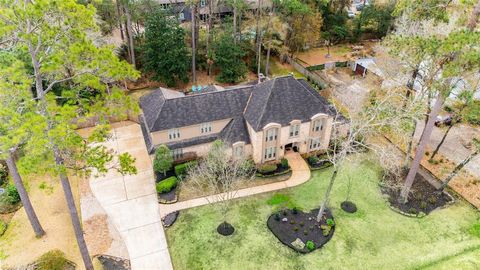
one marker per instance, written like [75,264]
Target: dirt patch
[19,245]
[423,197]
[97,234]
[295,228]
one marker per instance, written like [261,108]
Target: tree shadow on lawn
[366,239]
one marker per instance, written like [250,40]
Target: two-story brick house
[262,120]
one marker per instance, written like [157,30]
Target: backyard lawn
[375,237]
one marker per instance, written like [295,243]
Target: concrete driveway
[130,202]
[454,146]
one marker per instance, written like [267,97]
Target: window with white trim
[317,125]
[271,135]
[270,153]
[294,130]
[206,127]
[314,143]
[177,153]
[238,151]
[173,134]
[182,16]
[202,3]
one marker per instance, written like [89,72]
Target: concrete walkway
[131,202]
[300,175]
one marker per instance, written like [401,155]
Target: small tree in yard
[57,39]
[163,159]
[382,113]
[165,53]
[228,58]
[221,176]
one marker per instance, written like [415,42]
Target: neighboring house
[262,120]
[182,8]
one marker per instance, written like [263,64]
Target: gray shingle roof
[193,109]
[282,100]
[279,100]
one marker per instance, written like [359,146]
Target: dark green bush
[181,169]
[166,185]
[295,229]
[310,245]
[301,223]
[413,211]
[432,199]
[284,212]
[313,159]
[284,163]
[292,221]
[423,205]
[52,260]
[277,216]
[267,168]
[295,210]
[3,174]
[11,194]
[330,222]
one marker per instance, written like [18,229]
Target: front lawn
[374,237]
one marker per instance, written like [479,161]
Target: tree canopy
[164,52]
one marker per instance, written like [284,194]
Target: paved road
[454,146]
[131,202]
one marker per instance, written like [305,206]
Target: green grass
[276,69]
[373,238]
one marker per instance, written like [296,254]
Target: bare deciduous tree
[220,175]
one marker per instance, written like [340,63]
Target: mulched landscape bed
[169,219]
[225,229]
[114,263]
[160,176]
[279,171]
[168,197]
[295,228]
[348,207]
[321,164]
[423,198]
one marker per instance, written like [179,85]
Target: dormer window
[206,128]
[317,125]
[294,130]
[271,135]
[173,134]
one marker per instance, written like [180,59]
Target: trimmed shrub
[181,169]
[284,163]
[3,173]
[52,260]
[277,216]
[330,222]
[267,168]
[166,185]
[325,229]
[310,245]
[295,210]
[163,159]
[313,160]
[11,194]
